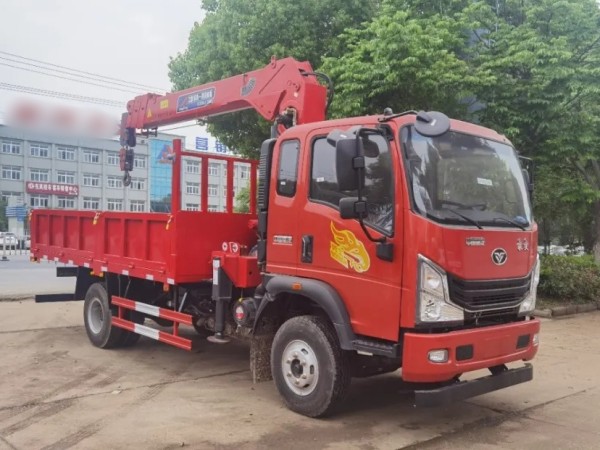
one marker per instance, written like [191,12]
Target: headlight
[528,305]
[432,295]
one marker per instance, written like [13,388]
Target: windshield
[460,178]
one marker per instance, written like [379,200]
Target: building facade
[45,171]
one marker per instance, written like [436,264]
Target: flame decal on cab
[348,251]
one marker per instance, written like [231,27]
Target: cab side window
[379,183]
[287,172]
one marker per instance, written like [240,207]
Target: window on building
[114,204]
[114,181]
[244,172]
[91,156]
[64,177]
[39,175]
[213,208]
[224,191]
[192,166]
[39,201]
[192,188]
[192,207]
[139,162]
[91,179]
[112,158]
[213,169]
[66,202]
[138,184]
[137,205]
[39,150]
[287,173]
[5,195]
[212,190]
[11,147]
[91,203]
[66,153]
[11,172]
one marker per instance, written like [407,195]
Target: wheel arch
[321,295]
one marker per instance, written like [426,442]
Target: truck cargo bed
[170,248]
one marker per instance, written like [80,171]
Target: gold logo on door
[346,249]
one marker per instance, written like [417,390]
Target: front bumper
[467,389]
[468,350]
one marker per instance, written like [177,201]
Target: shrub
[573,278]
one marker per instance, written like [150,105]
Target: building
[45,171]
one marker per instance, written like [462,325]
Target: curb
[567,310]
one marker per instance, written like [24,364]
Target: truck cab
[434,260]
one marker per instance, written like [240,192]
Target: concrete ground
[57,391]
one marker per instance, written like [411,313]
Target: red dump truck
[377,243]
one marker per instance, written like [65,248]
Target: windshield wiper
[507,220]
[467,218]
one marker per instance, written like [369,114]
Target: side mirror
[527,167]
[352,208]
[347,162]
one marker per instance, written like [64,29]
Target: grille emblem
[499,256]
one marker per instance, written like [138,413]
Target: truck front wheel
[97,316]
[310,369]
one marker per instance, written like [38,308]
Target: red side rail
[162,336]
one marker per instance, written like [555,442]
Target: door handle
[307,248]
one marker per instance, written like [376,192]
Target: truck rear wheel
[310,369]
[97,317]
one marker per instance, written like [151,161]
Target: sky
[131,40]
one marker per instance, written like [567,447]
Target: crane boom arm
[284,87]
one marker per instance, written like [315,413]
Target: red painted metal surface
[269,91]
[162,336]
[492,346]
[170,248]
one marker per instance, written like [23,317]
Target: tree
[241,35]
[404,59]
[3,218]
[242,200]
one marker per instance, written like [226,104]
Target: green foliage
[403,59]
[242,201]
[3,218]
[572,278]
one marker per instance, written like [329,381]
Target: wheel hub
[300,367]
[95,316]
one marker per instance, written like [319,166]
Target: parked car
[8,240]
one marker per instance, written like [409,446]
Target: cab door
[282,228]
[342,254]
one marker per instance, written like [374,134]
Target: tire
[305,342]
[97,317]
[130,338]
[201,330]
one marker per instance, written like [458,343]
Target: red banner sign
[34,187]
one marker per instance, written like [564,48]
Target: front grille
[488,294]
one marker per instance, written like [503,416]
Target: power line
[65,72]
[84,72]
[69,79]
[61,95]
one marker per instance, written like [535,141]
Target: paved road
[57,392]
[21,278]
